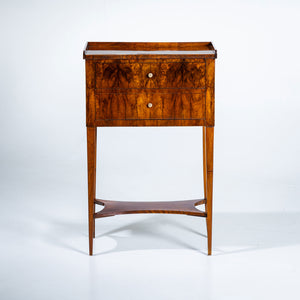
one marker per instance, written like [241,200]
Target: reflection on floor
[255,256]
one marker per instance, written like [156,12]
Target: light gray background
[43,154]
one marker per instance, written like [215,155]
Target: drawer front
[147,105]
[163,74]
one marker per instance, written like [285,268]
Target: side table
[150,84]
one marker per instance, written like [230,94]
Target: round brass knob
[150,75]
[149,104]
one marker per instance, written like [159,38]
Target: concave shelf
[185,207]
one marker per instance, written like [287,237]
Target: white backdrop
[257,164]
[43,181]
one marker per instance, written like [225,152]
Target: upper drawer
[163,74]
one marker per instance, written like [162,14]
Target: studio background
[43,181]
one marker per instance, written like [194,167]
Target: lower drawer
[147,105]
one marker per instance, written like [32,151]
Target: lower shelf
[184,207]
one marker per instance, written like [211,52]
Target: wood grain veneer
[150,84]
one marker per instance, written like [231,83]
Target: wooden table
[150,84]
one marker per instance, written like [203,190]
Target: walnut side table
[150,84]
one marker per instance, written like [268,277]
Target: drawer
[163,74]
[150,105]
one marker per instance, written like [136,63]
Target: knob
[149,104]
[150,75]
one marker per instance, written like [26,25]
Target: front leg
[209,184]
[91,157]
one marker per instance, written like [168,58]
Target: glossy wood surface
[210,92]
[165,105]
[90,93]
[128,74]
[107,50]
[184,207]
[209,148]
[150,46]
[119,90]
[173,85]
[91,156]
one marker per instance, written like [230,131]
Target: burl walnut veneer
[150,84]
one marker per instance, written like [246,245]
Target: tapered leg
[209,137]
[204,161]
[91,157]
[94,225]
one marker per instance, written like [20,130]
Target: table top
[129,50]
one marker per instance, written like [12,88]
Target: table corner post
[91,161]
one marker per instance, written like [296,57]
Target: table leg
[91,157]
[209,143]
[204,162]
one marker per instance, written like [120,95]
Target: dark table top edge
[114,50]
